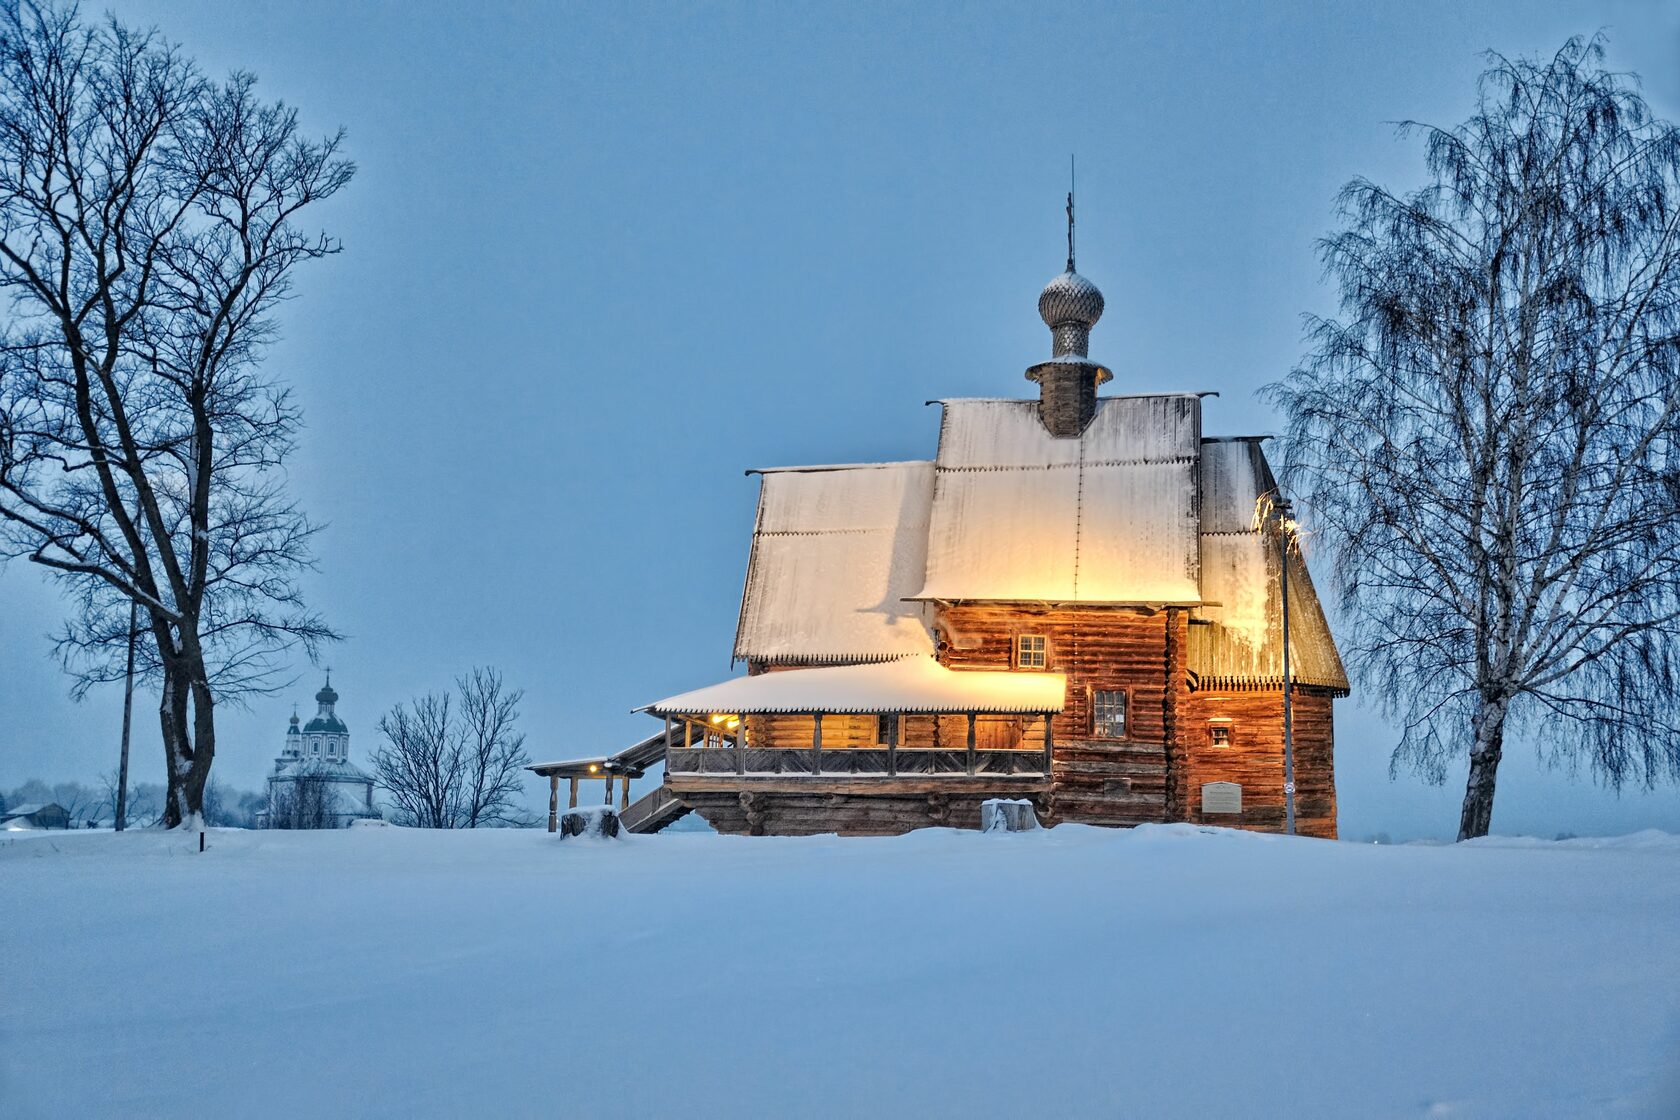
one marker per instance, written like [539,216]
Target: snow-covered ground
[1164,971]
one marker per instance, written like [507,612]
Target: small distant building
[318,755]
[50,815]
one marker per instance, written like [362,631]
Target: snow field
[1158,972]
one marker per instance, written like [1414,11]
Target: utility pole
[128,698]
[1285,534]
[128,712]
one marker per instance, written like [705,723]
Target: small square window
[1108,714]
[1031,652]
[886,728]
[1220,733]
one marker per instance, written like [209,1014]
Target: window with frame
[1220,734]
[886,728]
[1108,713]
[1032,651]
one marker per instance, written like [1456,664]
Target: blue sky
[600,259]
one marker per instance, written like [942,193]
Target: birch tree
[148,233]
[1487,434]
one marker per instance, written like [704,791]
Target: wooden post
[688,734]
[573,804]
[553,802]
[816,744]
[608,801]
[971,718]
[892,743]
[670,739]
[1049,744]
[624,798]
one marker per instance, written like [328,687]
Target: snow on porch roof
[911,684]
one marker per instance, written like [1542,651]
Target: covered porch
[908,724]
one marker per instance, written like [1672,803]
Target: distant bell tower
[1070,306]
[293,748]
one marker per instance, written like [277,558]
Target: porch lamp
[1287,530]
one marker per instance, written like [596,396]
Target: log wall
[1096,781]
[1156,773]
[800,814]
[1254,758]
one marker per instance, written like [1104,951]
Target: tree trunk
[189,742]
[1488,728]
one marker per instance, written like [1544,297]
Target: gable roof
[1108,517]
[836,551]
[1236,640]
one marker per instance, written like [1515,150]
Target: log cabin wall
[1095,780]
[1252,756]
[1155,774]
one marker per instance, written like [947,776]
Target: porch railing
[859,761]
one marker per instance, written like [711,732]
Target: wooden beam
[624,802]
[1049,742]
[816,743]
[573,804]
[971,718]
[553,802]
[892,743]
[986,785]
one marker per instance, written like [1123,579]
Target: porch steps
[652,812]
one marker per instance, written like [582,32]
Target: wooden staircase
[1109,783]
[652,812]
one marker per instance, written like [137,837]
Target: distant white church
[314,767]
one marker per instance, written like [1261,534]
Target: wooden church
[1079,601]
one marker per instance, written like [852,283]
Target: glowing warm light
[593,768]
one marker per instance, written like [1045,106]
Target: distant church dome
[326,720]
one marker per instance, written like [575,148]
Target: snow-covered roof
[910,684]
[332,770]
[835,553]
[1109,517]
[1240,644]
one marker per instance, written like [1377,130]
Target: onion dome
[1070,306]
[293,729]
[326,695]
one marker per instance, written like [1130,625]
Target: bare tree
[147,237]
[494,752]
[420,763]
[1489,435]
[304,802]
[78,800]
[455,764]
